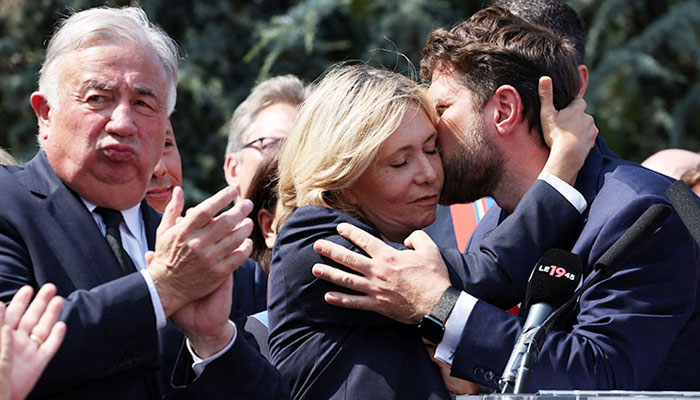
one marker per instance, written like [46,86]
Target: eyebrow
[92,84]
[97,85]
[409,147]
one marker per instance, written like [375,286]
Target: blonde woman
[364,151]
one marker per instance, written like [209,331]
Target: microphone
[686,206]
[651,220]
[551,283]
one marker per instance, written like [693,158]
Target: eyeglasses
[263,144]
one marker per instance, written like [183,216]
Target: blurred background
[644,58]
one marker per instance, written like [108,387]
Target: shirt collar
[132,216]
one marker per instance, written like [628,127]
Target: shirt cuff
[155,299]
[572,195]
[199,364]
[445,351]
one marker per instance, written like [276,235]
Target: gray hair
[107,25]
[6,158]
[280,89]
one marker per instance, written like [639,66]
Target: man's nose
[121,121]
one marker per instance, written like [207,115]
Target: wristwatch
[432,327]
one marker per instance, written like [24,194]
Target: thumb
[173,210]
[149,256]
[547,111]
[419,240]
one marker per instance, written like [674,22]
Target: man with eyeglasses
[258,124]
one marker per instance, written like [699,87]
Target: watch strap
[447,302]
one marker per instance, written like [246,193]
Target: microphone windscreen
[652,218]
[686,206]
[554,278]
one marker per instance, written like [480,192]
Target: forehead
[413,131]
[275,120]
[115,65]
[447,84]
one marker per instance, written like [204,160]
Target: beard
[473,169]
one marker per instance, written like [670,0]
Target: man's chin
[457,197]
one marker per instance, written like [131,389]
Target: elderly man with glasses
[258,124]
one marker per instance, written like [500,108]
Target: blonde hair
[339,131]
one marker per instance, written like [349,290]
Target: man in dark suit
[74,216]
[636,329]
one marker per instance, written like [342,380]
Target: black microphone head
[651,219]
[685,204]
[554,278]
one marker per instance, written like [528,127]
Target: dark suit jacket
[329,352]
[639,329]
[112,348]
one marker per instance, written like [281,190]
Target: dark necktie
[112,219]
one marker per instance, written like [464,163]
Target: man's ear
[41,109]
[265,221]
[507,109]
[583,74]
[230,172]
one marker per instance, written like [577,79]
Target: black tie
[112,219]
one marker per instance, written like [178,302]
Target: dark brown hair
[556,15]
[495,48]
[263,193]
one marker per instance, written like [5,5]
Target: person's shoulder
[309,223]
[628,178]
[11,173]
[320,217]
[295,240]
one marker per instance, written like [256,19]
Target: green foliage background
[644,57]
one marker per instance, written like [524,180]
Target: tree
[643,54]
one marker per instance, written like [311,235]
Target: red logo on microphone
[556,271]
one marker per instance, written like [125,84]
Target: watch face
[432,329]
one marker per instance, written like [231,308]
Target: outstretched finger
[342,255]
[48,318]
[36,309]
[372,245]
[173,210]
[201,214]
[18,304]
[341,278]
[349,301]
[231,220]
[53,341]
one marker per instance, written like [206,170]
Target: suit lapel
[151,220]
[71,221]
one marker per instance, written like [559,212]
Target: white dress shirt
[133,235]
